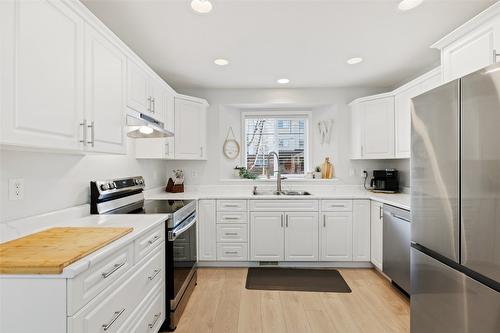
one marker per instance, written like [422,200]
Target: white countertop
[401,200]
[140,223]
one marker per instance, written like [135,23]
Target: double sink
[285,192]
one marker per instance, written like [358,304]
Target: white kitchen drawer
[279,205]
[150,314]
[232,232]
[232,251]
[232,217]
[114,306]
[90,283]
[149,241]
[231,205]
[336,205]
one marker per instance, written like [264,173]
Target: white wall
[222,114]
[55,181]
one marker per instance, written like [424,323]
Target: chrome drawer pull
[117,314]
[155,273]
[155,319]
[114,269]
[340,206]
[231,218]
[231,234]
[154,239]
[231,252]
[231,205]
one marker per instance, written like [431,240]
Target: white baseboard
[304,264]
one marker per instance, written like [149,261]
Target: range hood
[141,126]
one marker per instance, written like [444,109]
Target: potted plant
[317,172]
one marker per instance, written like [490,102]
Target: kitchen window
[283,133]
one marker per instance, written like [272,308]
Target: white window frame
[272,113]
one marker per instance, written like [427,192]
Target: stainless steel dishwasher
[397,239]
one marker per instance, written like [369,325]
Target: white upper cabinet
[472,46]
[138,97]
[378,120]
[43,81]
[190,128]
[105,71]
[357,125]
[402,117]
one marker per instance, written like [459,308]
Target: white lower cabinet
[301,236]
[336,236]
[232,251]
[267,236]
[207,230]
[361,230]
[377,220]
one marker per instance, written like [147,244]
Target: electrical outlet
[16,189]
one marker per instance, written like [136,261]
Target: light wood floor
[220,303]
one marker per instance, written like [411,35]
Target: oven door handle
[172,235]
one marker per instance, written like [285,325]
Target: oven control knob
[104,187]
[112,185]
[136,181]
[141,181]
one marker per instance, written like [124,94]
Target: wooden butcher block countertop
[49,251]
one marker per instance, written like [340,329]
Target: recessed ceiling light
[283,81]
[354,61]
[409,4]
[201,6]
[221,62]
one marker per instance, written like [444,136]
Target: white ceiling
[307,41]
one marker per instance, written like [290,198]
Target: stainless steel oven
[125,196]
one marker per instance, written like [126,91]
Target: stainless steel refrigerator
[455,206]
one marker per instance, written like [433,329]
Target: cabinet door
[42,62]
[301,236]
[189,129]
[402,109]
[377,218]
[336,236]
[138,96]
[169,123]
[207,230]
[356,130]
[105,105]
[361,230]
[378,138]
[472,52]
[267,236]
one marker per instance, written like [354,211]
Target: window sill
[273,180]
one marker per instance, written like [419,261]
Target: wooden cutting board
[49,251]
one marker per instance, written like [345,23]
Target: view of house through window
[286,136]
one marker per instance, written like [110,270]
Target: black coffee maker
[385,181]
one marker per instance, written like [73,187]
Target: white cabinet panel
[190,129]
[300,205]
[336,205]
[378,121]
[105,104]
[232,233]
[138,97]
[231,205]
[403,120]
[377,219]
[232,251]
[301,236]
[266,236]
[357,125]
[232,217]
[43,103]
[361,230]
[336,236]
[207,231]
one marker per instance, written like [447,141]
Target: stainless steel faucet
[278,175]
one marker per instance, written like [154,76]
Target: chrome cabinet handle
[155,273]
[231,252]
[153,101]
[231,218]
[231,234]
[149,104]
[154,239]
[324,221]
[340,206]
[112,270]
[84,134]
[400,217]
[286,218]
[167,145]
[495,56]
[117,314]
[92,133]
[230,205]
[155,319]
[201,151]
[380,214]
[282,220]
